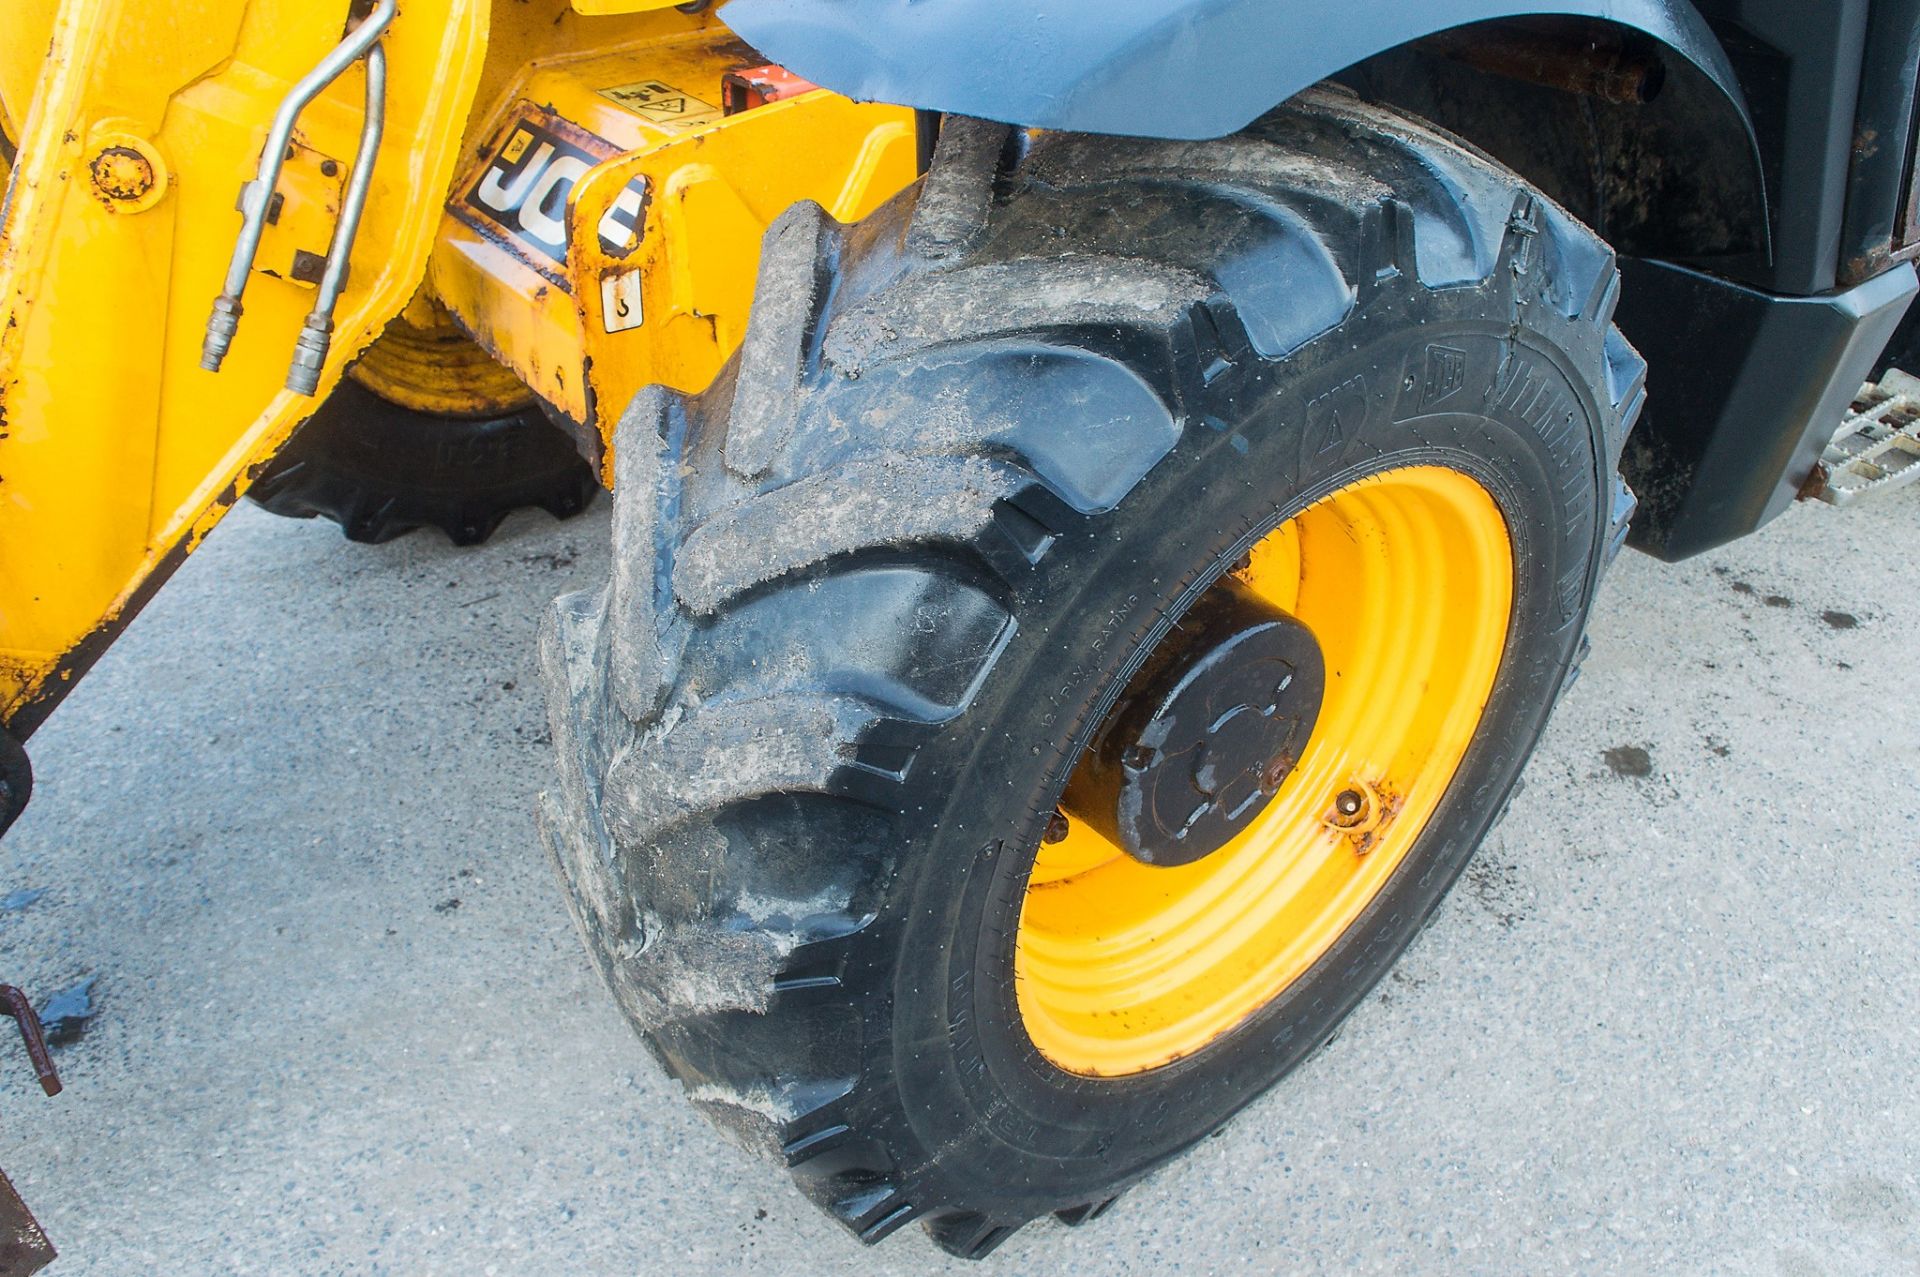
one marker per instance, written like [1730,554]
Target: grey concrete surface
[1668,1024]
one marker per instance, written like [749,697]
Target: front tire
[877,591]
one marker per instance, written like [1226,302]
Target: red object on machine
[749,87]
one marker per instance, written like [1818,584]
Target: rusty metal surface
[16,1004]
[1613,67]
[1877,447]
[24,1248]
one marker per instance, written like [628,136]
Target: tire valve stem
[1058,827]
[1355,809]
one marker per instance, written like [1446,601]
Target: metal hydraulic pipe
[257,196]
[316,337]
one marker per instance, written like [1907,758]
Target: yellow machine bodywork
[589,325]
[136,125]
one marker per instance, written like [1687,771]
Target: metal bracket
[1877,448]
[24,1247]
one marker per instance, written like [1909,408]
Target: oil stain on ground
[1629,761]
[1496,884]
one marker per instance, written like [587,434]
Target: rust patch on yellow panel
[122,175]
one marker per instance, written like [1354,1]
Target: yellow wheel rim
[1406,579]
[424,362]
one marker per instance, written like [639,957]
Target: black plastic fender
[1143,68]
[1744,390]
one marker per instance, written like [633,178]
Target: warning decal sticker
[662,105]
[525,188]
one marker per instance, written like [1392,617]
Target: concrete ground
[1670,1023]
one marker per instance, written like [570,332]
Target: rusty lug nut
[1058,827]
[122,174]
[1276,772]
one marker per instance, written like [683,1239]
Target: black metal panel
[1744,389]
[1671,174]
[1880,193]
[1799,61]
[1143,68]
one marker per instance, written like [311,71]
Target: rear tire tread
[381,471]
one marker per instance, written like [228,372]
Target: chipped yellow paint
[117,452]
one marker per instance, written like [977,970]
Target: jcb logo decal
[525,188]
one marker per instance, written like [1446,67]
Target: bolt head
[122,174]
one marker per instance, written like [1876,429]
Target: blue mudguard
[1144,68]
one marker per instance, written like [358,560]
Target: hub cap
[1207,732]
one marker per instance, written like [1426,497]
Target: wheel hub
[1206,733]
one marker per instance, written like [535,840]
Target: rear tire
[874,591]
[381,470]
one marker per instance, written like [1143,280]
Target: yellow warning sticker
[662,105]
